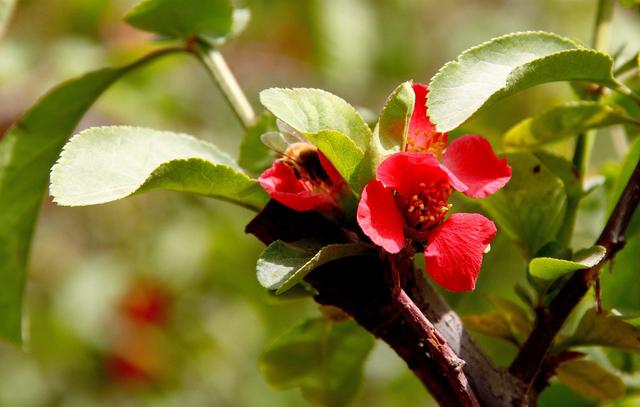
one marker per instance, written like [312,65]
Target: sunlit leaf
[605,330]
[564,121]
[506,65]
[322,358]
[104,164]
[27,153]
[282,265]
[590,379]
[181,19]
[391,131]
[548,268]
[530,208]
[327,121]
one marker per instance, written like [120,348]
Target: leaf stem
[217,68]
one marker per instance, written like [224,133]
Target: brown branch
[494,386]
[360,286]
[527,363]
[416,322]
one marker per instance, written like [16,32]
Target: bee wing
[285,128]
[279,142]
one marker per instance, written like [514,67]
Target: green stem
[217,68]
[585,141]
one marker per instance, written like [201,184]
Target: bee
[297,153]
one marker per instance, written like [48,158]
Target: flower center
[428,207]
[423,141]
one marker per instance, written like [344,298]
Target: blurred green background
[153,300]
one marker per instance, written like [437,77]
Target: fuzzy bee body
[299,154]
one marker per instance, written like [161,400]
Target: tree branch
[416,322]
[527,363]
[360,286]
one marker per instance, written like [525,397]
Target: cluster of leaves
[321,356]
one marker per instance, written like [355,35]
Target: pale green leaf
[506,65]
[322,358]
[282,265]
[184,18]
[393,125]
[27,153]
[605,330]
[327,121]
[564,121]
[530,209]
[590,379]
[548,268]
[103,164]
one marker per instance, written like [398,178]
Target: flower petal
[281,184]
[405,171]
[422,134]
[472,160]
[334,176]
[379,218]
[453,255]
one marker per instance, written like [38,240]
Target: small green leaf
[530,209]
[6,9]
[562,122]
[327,121]
[590,379]
[322,358]
[508,321]
[605,330]
[255,157]
[27,152]
[103,164]
[183,18]
[506,65]
[282,265]
[548,268]
[391,132]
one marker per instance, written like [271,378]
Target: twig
[527,363]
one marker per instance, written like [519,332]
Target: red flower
[408,199]
[305,181]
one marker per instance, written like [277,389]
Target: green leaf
[324,359]
[605,330]
[27,153]
[563,169]
[590,379]
[391,132]
[328,122]
[282,265]
[507,321]
[183,18]
[6,9]
[506,65]
[548,268]
[562,122]
[530,209]
[255,157]
[103,164]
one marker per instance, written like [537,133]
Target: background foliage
[92,267]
